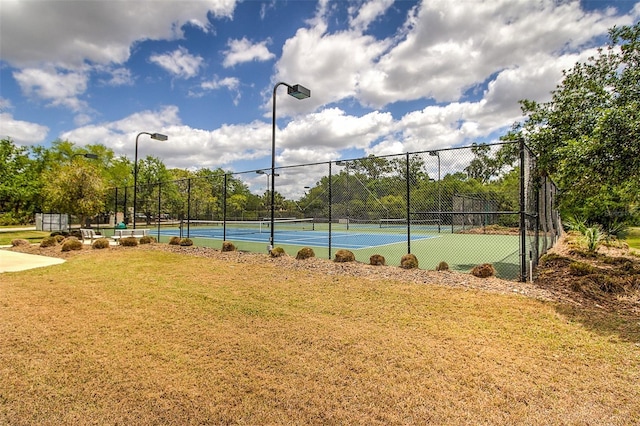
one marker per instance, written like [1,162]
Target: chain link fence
[463,206]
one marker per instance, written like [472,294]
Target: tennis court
[299,232]
[431,245]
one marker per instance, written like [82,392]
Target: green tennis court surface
[460,251]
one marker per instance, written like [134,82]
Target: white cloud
[63,33]
[243,50]
[448,50]
[230,83]
[180,63]
[186,147]
[21,132]
[331,129]
[61,88]
[119,77]
[367,13]
[4,104]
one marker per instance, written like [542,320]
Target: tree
[20,183]
[151,171]
[587,138]
[76,188]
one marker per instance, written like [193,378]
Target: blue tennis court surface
[347,240]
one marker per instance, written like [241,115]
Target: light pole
[437,154]
[298,92]
[86,155]
[158,137]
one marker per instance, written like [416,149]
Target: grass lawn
[125,336]
[31,236]
[633,238]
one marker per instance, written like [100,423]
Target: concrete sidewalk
[11,261]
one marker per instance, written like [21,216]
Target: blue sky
[385,76]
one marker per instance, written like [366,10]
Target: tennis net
[237,227]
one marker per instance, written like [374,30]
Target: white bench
[89,234]
[125,233]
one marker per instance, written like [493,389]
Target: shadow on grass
[625,326]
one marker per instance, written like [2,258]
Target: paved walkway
[11,261]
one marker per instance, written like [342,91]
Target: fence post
[224,209]
[115,211]
[523,223]
[408,204]
[159,207]
[330,202]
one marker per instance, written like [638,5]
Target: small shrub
[554,259]
[49,242]
[485,270]
[72,243]
[344,256]
[147,240]
[409,261]
[305,253]
[442,266]
[65,234]
[186,242]
[100,243]
[19,242]
[593,236]
[77,234]
[377,260]
[228,246]
[277,252]
[580,269]
[174,241]
[129,242]
[60,238]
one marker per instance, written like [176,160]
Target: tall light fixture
[87,155]
[158,137]
[298,92]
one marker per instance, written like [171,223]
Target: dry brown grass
[149,337]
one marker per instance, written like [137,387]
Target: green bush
[228,246]
[71,243]
[129,242]
[49,242]
[344,256]
[579,269]
[593,236]
[147,239]
[100,243]
[442,266]
[174,241]
[19,242]
[277,252]
[305,253]
[60,238]
[377,260]
[485,270]
[409,261]
[186,242]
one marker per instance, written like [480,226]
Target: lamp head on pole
[298,91]
[159,137]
